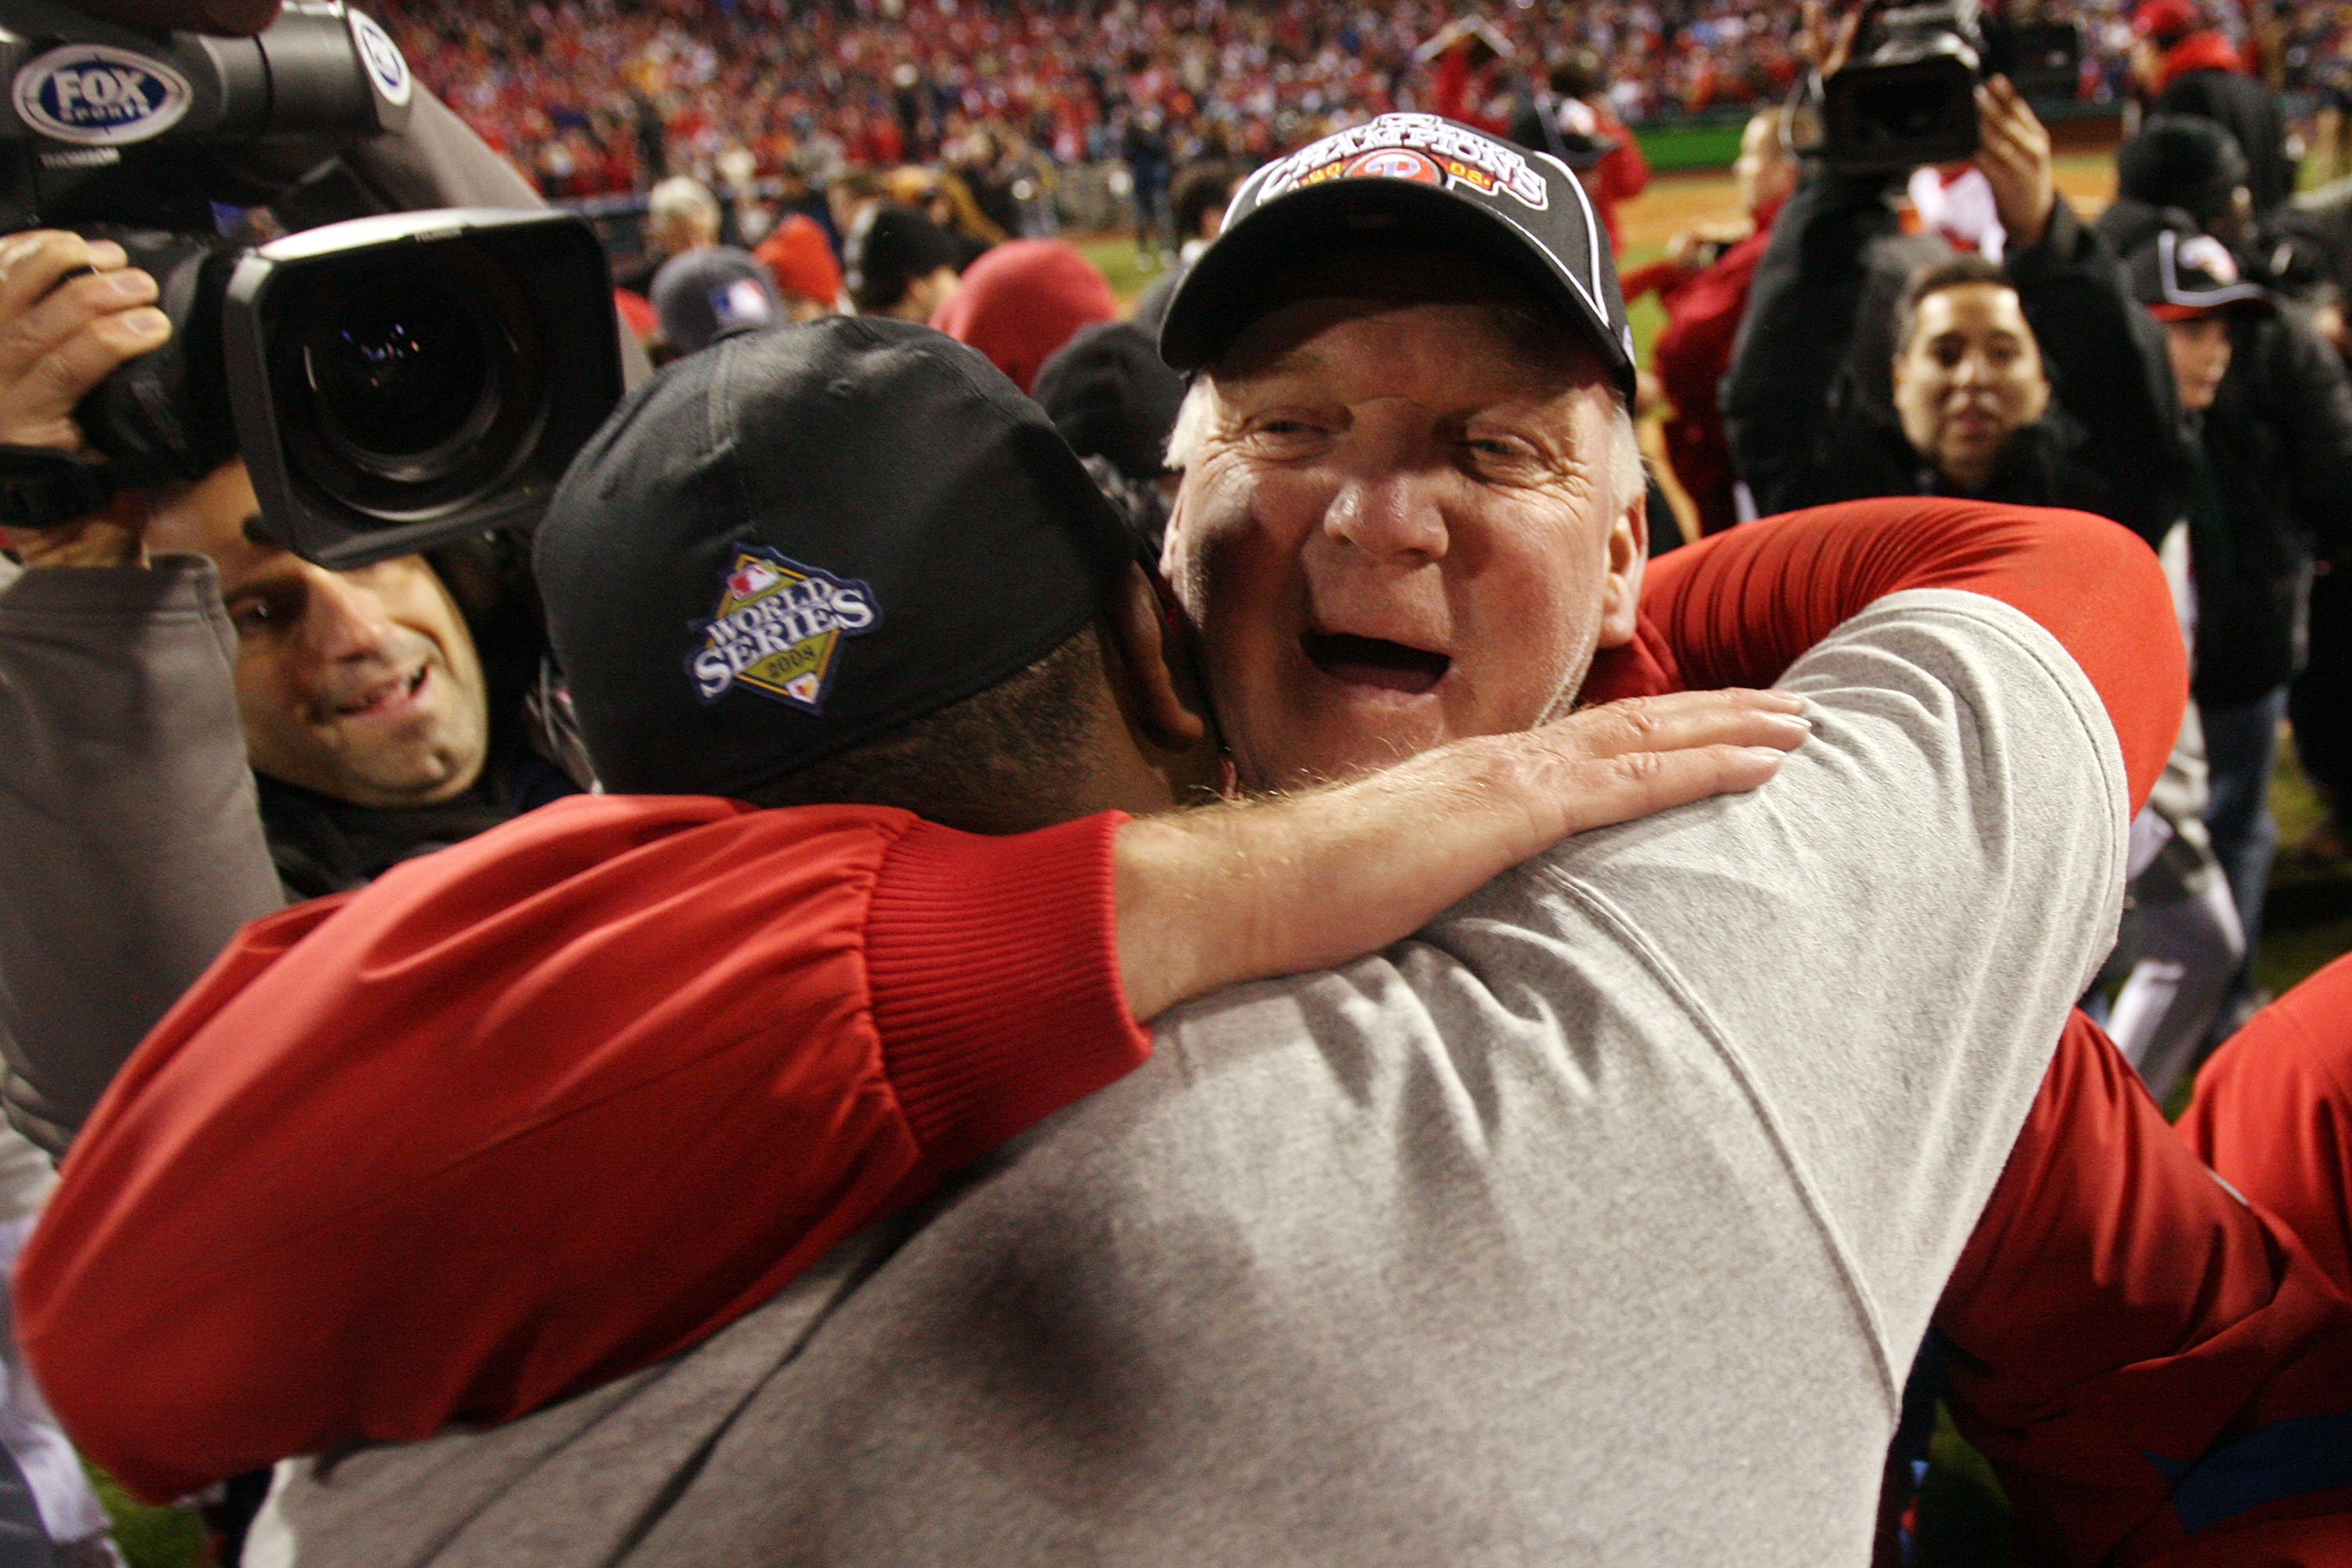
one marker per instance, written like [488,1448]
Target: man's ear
[1151,667]
[1629,552]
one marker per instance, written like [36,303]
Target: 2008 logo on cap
[777,630]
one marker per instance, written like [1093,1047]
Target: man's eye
[253,616]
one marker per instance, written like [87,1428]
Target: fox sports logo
[97,96]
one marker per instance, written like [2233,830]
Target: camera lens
[401,376]
[409,389]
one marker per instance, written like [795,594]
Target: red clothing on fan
[800,261]
[1622,174]
[1693,355]
[208,1299]
[2274,1113]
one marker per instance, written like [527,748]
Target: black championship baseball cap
[799,539]
[1402,180]
[2181,276]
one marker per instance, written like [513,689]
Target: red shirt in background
[1692,355]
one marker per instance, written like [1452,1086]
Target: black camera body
[1907,97]
[400,381]
[393,382]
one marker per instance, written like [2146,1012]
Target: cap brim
[1240,276]
[2241,300]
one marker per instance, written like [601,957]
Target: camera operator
[2038,381]
[151,653]
[134,838]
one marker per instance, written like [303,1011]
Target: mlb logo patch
[777,630]
[742,303]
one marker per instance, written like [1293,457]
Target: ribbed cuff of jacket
[994,968]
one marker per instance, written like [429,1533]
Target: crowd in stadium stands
[595,98]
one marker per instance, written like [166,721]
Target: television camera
[394,381]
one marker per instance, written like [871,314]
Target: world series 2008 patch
[778,629]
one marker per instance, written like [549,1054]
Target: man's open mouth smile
[1375,661]
[385,699]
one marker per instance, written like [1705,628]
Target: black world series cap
[1403,179]
[800,539]
[2181,276]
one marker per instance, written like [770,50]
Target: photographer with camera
[206,722]
[2037,380]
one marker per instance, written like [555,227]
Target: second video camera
[1908,96]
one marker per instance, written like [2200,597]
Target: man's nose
[1394,510]
[342,621]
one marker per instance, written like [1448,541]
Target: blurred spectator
[712,292]
[2275,458]
[947,201]
[2181,924]
[1975,409]
[1197,202]
[1023,300]
[1145,149]
[1704,282]
[849,198]
[1114,401]
[1574,123]
[900,263]
[681,215]
[2188,164]
[800,264]
[2185,66]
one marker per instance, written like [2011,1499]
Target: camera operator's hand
[2014,151]
[1825,44]
[60,335]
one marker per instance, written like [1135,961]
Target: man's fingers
[75,306]
[1619,789]
[1685,719]
[32,263]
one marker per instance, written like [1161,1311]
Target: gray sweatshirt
[1598,1224]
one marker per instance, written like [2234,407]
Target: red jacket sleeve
[2148,1363]
[2158,1373]
[1738,608]
[349,1191]
[2274,1113]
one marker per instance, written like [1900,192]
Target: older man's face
[1401,525]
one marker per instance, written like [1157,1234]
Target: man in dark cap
[712,292]
[898,263]
[2274,451]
